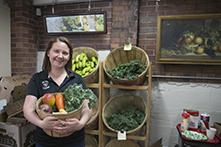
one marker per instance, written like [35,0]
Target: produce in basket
[74,96]
[46,108]
[68,101]
[49,98]
[59,101]
[128,71]
[127,119]
[83,65]
[53,103]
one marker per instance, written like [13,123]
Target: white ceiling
[52,2]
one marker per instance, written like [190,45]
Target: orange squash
[59,101]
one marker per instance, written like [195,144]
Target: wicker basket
[120,102]
[42,115]
[120,56]
[90,52]
[121,143]
[90,141]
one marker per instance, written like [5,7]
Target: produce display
[83,65]
[68,101]
[128,71]
[127,119]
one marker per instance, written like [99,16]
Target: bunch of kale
[128,71]
[127,119]
[74,96]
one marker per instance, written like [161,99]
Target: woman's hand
[73,124]
[51,123]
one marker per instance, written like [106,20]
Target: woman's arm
[29,110]
[85,113]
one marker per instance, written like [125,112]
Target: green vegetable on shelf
[128,71]
[127,119]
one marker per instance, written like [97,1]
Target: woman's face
[59,55]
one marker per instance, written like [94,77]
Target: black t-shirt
[40,84]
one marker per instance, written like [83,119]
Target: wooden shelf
[133,137]
[131,87]
[93,85]
[103,90]
[106,86]
[92,132]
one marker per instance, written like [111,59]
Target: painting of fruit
[189,39]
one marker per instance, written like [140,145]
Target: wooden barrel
[120,56]
[121,143]
[117,103]
[92,77]
[90,141]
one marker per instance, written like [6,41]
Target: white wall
[169,99]
[5,40]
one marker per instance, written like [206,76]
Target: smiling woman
[55,77]
[58,55]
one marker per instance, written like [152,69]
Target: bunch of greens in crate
[128,71]
[74,96]
[127,119]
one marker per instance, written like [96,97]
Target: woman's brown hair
[46,63]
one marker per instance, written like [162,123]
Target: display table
[186,142]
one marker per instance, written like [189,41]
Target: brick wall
[121,23]
[148,33]
[23,39]
[97,41]
[124,22]
[136,19]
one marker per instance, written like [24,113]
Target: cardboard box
[16,135]
[13,88]
[16,132]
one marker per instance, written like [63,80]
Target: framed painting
[77,23]
[189,39]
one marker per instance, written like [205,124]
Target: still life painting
[189,39]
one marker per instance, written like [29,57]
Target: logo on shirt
[45,84]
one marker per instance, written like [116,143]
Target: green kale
[127,119]
[74,96]
[128,71]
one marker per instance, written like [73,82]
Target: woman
[56,76]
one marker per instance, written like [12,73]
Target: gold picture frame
[189,39]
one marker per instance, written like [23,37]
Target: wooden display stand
[104,87]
